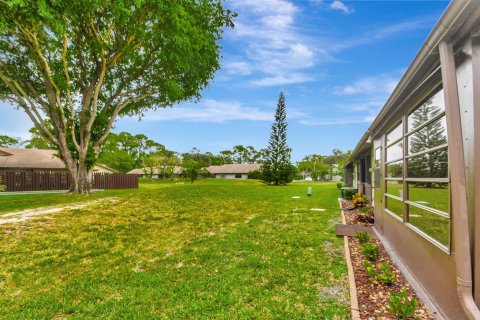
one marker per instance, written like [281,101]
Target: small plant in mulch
[363,237]
[370,251]
[402,305]
[385,275]
[359,200]
[366,215]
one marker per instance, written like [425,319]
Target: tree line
[124,152]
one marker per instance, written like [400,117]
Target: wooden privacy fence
[38,181]
[115,181]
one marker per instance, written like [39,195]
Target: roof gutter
[429,48]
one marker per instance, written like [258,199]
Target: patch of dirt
[354,216]
[373,296]
[24,215]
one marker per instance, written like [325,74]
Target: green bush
[401,305]
[2,186]
[363,237]
[370,251]
[340,185]
[349,193]
[255,175]
[371,271]
[385,276]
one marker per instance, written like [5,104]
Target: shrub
[386,276]
[2,186]
[370,251]
[366,215]
[359,200]
[340,185]
[255,175]
[402,305]
[363,237]
[349,193]
[371,271]
[366,211]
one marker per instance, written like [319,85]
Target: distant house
[232,171]
[335,176]
[35,160]
[157,172]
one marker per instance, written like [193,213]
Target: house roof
[30,158]
[455,23]
[176,170]
[34,159]
[104,166]
[233,168]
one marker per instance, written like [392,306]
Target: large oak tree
[76,66]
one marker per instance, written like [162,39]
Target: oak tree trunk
[81,177]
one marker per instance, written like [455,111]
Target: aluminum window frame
[403,122]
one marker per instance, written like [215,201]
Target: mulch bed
[373,296]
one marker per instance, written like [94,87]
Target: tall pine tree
[277,169]
[433,164]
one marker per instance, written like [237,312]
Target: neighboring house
[232,171]
[157,172]
[12,159]
[334,176]
[420,162]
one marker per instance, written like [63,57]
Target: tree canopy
[82,64]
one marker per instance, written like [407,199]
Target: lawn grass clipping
[212,250]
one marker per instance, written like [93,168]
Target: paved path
[24,215]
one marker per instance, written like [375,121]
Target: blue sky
[336,61]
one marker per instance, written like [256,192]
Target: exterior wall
[230,176]
[434,267]
[349,175]
[355,175]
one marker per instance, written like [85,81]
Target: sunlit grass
[214,249]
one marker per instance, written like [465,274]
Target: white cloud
[210,111]
[238,67]
[338,5]
[337,121]
[266,6]
[276,51]
[383,32]
[380,85]
[281,80]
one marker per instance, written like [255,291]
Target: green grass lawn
[216,249]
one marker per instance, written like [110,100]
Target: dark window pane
[395,169]
[395,134]
[395,151]
[426,111]
[394,206]
[434,225]
[433,135]
[395,188]
[430,194]
[429,165]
